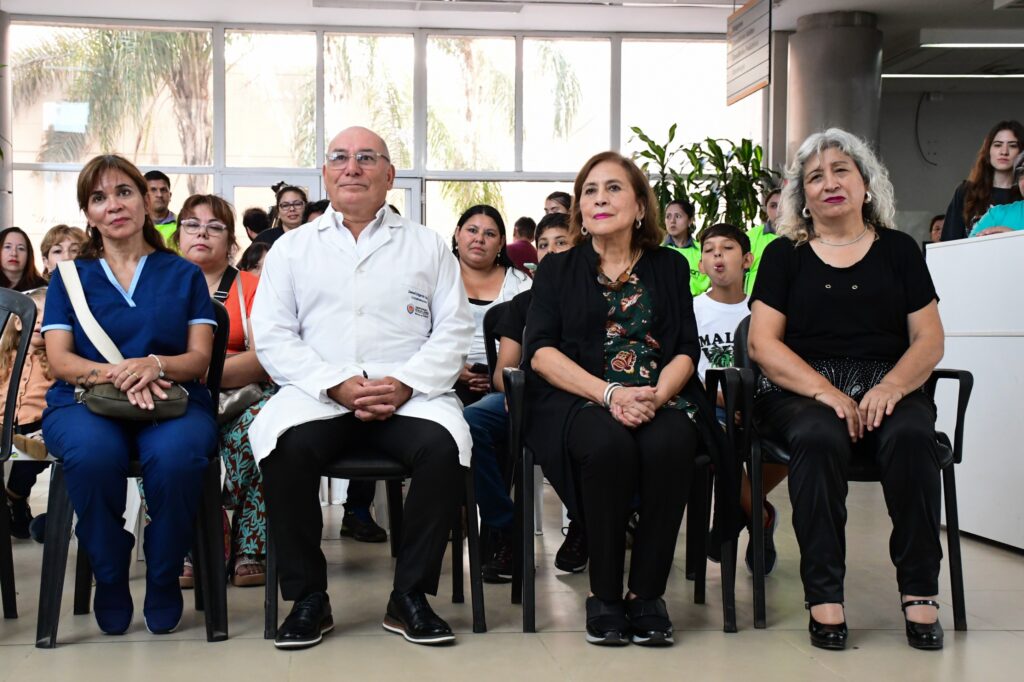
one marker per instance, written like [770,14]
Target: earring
[867,197]
[806,213]
[637,224]
[583,230]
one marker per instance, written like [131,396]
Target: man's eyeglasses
[214,227]
[288,205]
[340,159]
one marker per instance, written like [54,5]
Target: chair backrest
[220,350]
[15,303]
[491,318]
[740,351]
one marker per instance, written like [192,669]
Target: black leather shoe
[926,636]
[410,616]
[306,624]
[498,568]
[649,621]
[361,530]
[607,624]
[825,636]
[572,556]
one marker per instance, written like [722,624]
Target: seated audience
[255,220]
[489,279]
[253,257]
[156,309]
[60,243]
[19,261]
[159,192]
[1007,217]
[935,228]
[362,320]
[290,205]
[206,233]
[314,210]
[679,225]
[610,342]
[520,250]
[845,327]
[558,202]
[761,236]
[990,182]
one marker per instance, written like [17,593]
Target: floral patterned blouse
[631,354]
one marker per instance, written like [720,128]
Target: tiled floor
[360,650]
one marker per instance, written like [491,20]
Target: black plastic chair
[758,450]
[697,513]
[370,465]
[24,308]
[208,554]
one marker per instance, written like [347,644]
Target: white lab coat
[329,308]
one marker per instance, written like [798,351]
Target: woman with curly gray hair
[846,330]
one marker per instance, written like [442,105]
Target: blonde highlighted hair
[879,212]
[11,337]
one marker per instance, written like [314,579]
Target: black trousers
[614,463]
[291,485]
[904,450]
[360,495]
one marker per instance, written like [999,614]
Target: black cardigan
[568,312]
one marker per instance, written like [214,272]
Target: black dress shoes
[306,624]
[607,623]
[827,636]
[362,529]
[926,636]
[410,616]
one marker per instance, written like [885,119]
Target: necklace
[852,241]
[620,281]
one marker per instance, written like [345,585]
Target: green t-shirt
[759,239]
[699,282]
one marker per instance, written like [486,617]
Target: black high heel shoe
[926,636]
[827,636]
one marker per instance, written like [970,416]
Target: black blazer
[569,313]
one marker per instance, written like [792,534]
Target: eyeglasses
[340,159]
[213,227]
[288,205]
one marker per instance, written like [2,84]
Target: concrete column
[835,76]
[775,144]
[6,168]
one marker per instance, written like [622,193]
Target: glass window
[446,200]
[368,82]
[470,103]
[653,99]
[566,102]
[82,91]
[271,99]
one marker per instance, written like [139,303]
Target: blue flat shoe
[163,607]
[112,605]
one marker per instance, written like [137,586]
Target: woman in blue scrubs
[155,307]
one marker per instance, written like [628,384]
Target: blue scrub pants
[488,424]
[96,452]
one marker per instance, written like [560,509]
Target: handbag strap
[243,311]
[223,288]
[93,330]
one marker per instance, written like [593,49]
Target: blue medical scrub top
[167,295]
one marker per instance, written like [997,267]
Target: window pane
[271,99]
[470,103]
[696,103]
[447,200]
[368,81]
[141,93]
[566,107]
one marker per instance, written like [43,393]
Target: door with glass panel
[254,190]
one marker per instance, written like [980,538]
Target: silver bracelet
[159,365]
[608,391]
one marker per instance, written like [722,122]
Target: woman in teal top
[1004,217]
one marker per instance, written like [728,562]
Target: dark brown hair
[648,235]
[978,196]
[220,208]
[89,178]
[30,277]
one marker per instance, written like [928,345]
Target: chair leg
[270,591]
[956,567]
[729,585]
[528,568]
[394,494]
[55,559]
[476,581]
[697,511]
[210,575]
[757,537]
[199,560]
[458,593]
[7,589]
[83,583]
[518,512]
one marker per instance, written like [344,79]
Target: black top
[954,227]
[858,312]
[511,324]
[269,236]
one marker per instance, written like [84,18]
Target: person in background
[761,236]
[935,228]
[489,279]
[990,182]
[521,250]
[255,220]
[679,226]
[290,205]
[159,204]
[253,257]
[314,210]
[1006,217]
[31,400]
[558,202]
[60,243]
[19,261]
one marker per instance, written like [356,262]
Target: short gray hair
[879,212]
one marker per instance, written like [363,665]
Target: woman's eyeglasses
[214,227]
[289,205]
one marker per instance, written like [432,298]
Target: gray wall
[951,127]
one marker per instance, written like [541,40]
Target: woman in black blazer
[610,342]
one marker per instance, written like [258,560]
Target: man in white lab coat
[362,319]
